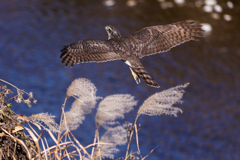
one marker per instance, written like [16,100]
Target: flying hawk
[129,49]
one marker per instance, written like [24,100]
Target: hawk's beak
[107,28]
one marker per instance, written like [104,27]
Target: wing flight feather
[156,39]
[88,51]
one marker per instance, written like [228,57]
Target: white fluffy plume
[161,103]
[114,107]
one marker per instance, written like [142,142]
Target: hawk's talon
[135,76]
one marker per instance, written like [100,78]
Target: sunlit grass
[23,137]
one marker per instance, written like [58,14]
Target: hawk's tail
[141,72]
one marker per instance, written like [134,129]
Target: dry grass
[23,137]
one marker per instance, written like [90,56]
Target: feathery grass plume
[46,119]
[75,116]
[113,137]
[161,103]
[85,94]
[84,89]
[158,104]
[113,107]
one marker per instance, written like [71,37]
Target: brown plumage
[130,49]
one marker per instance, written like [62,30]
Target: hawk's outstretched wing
[161,38]
[88,51]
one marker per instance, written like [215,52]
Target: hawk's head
[113,33]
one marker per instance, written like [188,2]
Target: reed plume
[113,107]
[161,103]
[84,93]
[108,142]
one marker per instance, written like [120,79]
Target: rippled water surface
[33,33]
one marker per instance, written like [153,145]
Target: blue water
[33,33]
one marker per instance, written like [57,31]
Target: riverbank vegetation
[23,137]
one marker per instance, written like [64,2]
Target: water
[33,32]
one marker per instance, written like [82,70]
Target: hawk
[129,49]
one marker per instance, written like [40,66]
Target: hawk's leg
[135,76]
[138,71]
